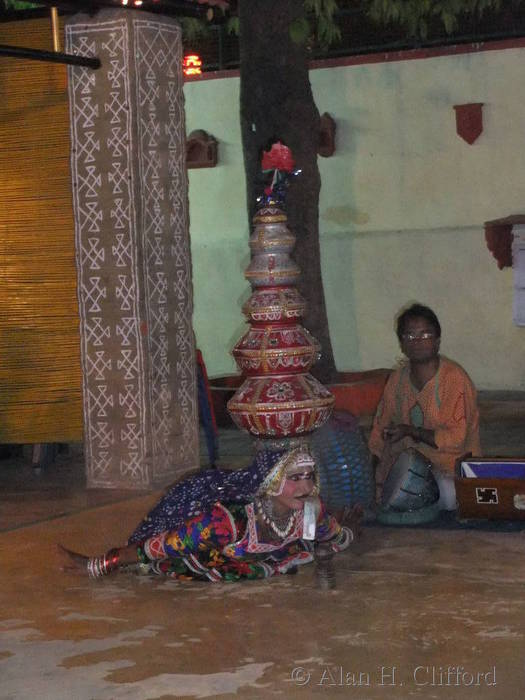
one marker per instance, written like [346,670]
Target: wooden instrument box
[491,488]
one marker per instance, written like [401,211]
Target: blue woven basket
[343,461]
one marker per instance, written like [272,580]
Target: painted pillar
[132,248]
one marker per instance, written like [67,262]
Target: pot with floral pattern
[272,348]
[281,406]
[279,398]
[274,304]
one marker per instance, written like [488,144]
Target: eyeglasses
[426,335]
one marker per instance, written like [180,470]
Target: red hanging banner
[469,121]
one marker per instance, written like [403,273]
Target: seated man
[429,404]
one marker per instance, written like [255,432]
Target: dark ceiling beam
[168,7]
[177,8]
[49,56]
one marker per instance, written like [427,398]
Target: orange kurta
[446,404]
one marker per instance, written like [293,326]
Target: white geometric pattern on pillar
[164,226]
[131,229]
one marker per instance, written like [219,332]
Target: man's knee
[447,490]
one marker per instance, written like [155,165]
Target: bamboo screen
[40,376]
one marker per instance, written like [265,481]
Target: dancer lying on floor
[230,525]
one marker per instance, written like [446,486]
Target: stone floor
[417,612]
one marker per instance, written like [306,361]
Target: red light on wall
[192,64]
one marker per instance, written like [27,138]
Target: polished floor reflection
[418,612]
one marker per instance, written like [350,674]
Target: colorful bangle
[104,565]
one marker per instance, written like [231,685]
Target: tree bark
[276,102]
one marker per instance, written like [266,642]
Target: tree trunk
[276,102]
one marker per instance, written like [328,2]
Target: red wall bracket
[469,121]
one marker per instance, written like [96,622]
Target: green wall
[402,208]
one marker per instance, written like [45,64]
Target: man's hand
[395,433]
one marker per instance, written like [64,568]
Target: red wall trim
[388,57]
[213,75]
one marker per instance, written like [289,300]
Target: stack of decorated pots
[279,398]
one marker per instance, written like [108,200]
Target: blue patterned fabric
[195,494]
[343,462]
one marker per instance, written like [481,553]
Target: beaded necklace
[280,526]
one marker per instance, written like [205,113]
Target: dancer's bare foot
[72,561]
[97,566]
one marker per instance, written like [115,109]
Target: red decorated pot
[278,399]
[273,349]
[274,304]
[280,406]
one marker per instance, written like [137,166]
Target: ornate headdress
[296,461]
